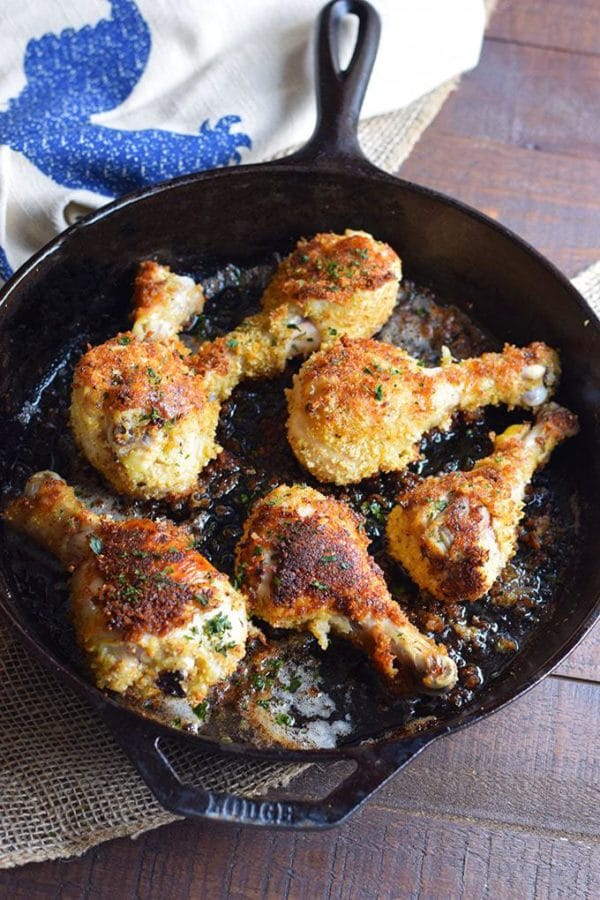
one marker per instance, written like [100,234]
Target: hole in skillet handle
[374,767]
[340,93]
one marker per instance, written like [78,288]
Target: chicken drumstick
[148,609]
[304,564]
[362,406]
[454,533]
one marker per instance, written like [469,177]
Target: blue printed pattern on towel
[77,73]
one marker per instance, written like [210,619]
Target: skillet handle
[374,768]
[340,94]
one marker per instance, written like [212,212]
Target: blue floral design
[77,73]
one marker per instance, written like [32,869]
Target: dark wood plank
[584,662]
[531,97]
[519,791]
[59,878]
[548,199]
[565,24]
[427,857]
[534,764]
[375,855]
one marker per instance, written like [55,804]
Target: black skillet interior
[204,222]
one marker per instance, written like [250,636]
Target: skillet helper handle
[340,93]
[374,768]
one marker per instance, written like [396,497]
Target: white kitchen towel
[98,97]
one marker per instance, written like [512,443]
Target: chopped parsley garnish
[304,257]
[332,331]
[217,625]
[284,719]
[440,505]
[319,585]
[202,599]
[152,375]
[294,326]
[259,681]
[153,416]
[294,684]
[130,593]
[225,648]
[232,343]
[374,509]
[378,392]
[124,340]
[333,269]
[96,544]
[329,558]
[264,702]
[258,551]
[238,579]
[201,710]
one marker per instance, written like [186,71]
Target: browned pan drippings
[320,698]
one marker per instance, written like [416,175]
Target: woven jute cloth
[65,785]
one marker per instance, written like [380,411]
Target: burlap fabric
[65,786]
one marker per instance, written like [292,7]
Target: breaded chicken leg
[152,614]
[138,410]
[329,286]
[145,412]
[362,406]
[455,532]
[304,564]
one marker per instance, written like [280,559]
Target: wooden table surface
[508,808]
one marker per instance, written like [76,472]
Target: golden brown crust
[304,561]
[149,376]
[454,532]
[148,287]
[362,406]
[333,268]
[142,417]
[163,302]
[50,513]
[128,392]
[153,578]
[319,561]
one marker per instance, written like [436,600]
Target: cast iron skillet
[240,214]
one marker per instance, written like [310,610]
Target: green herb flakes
[201,710]
[217,625]
[96,544]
